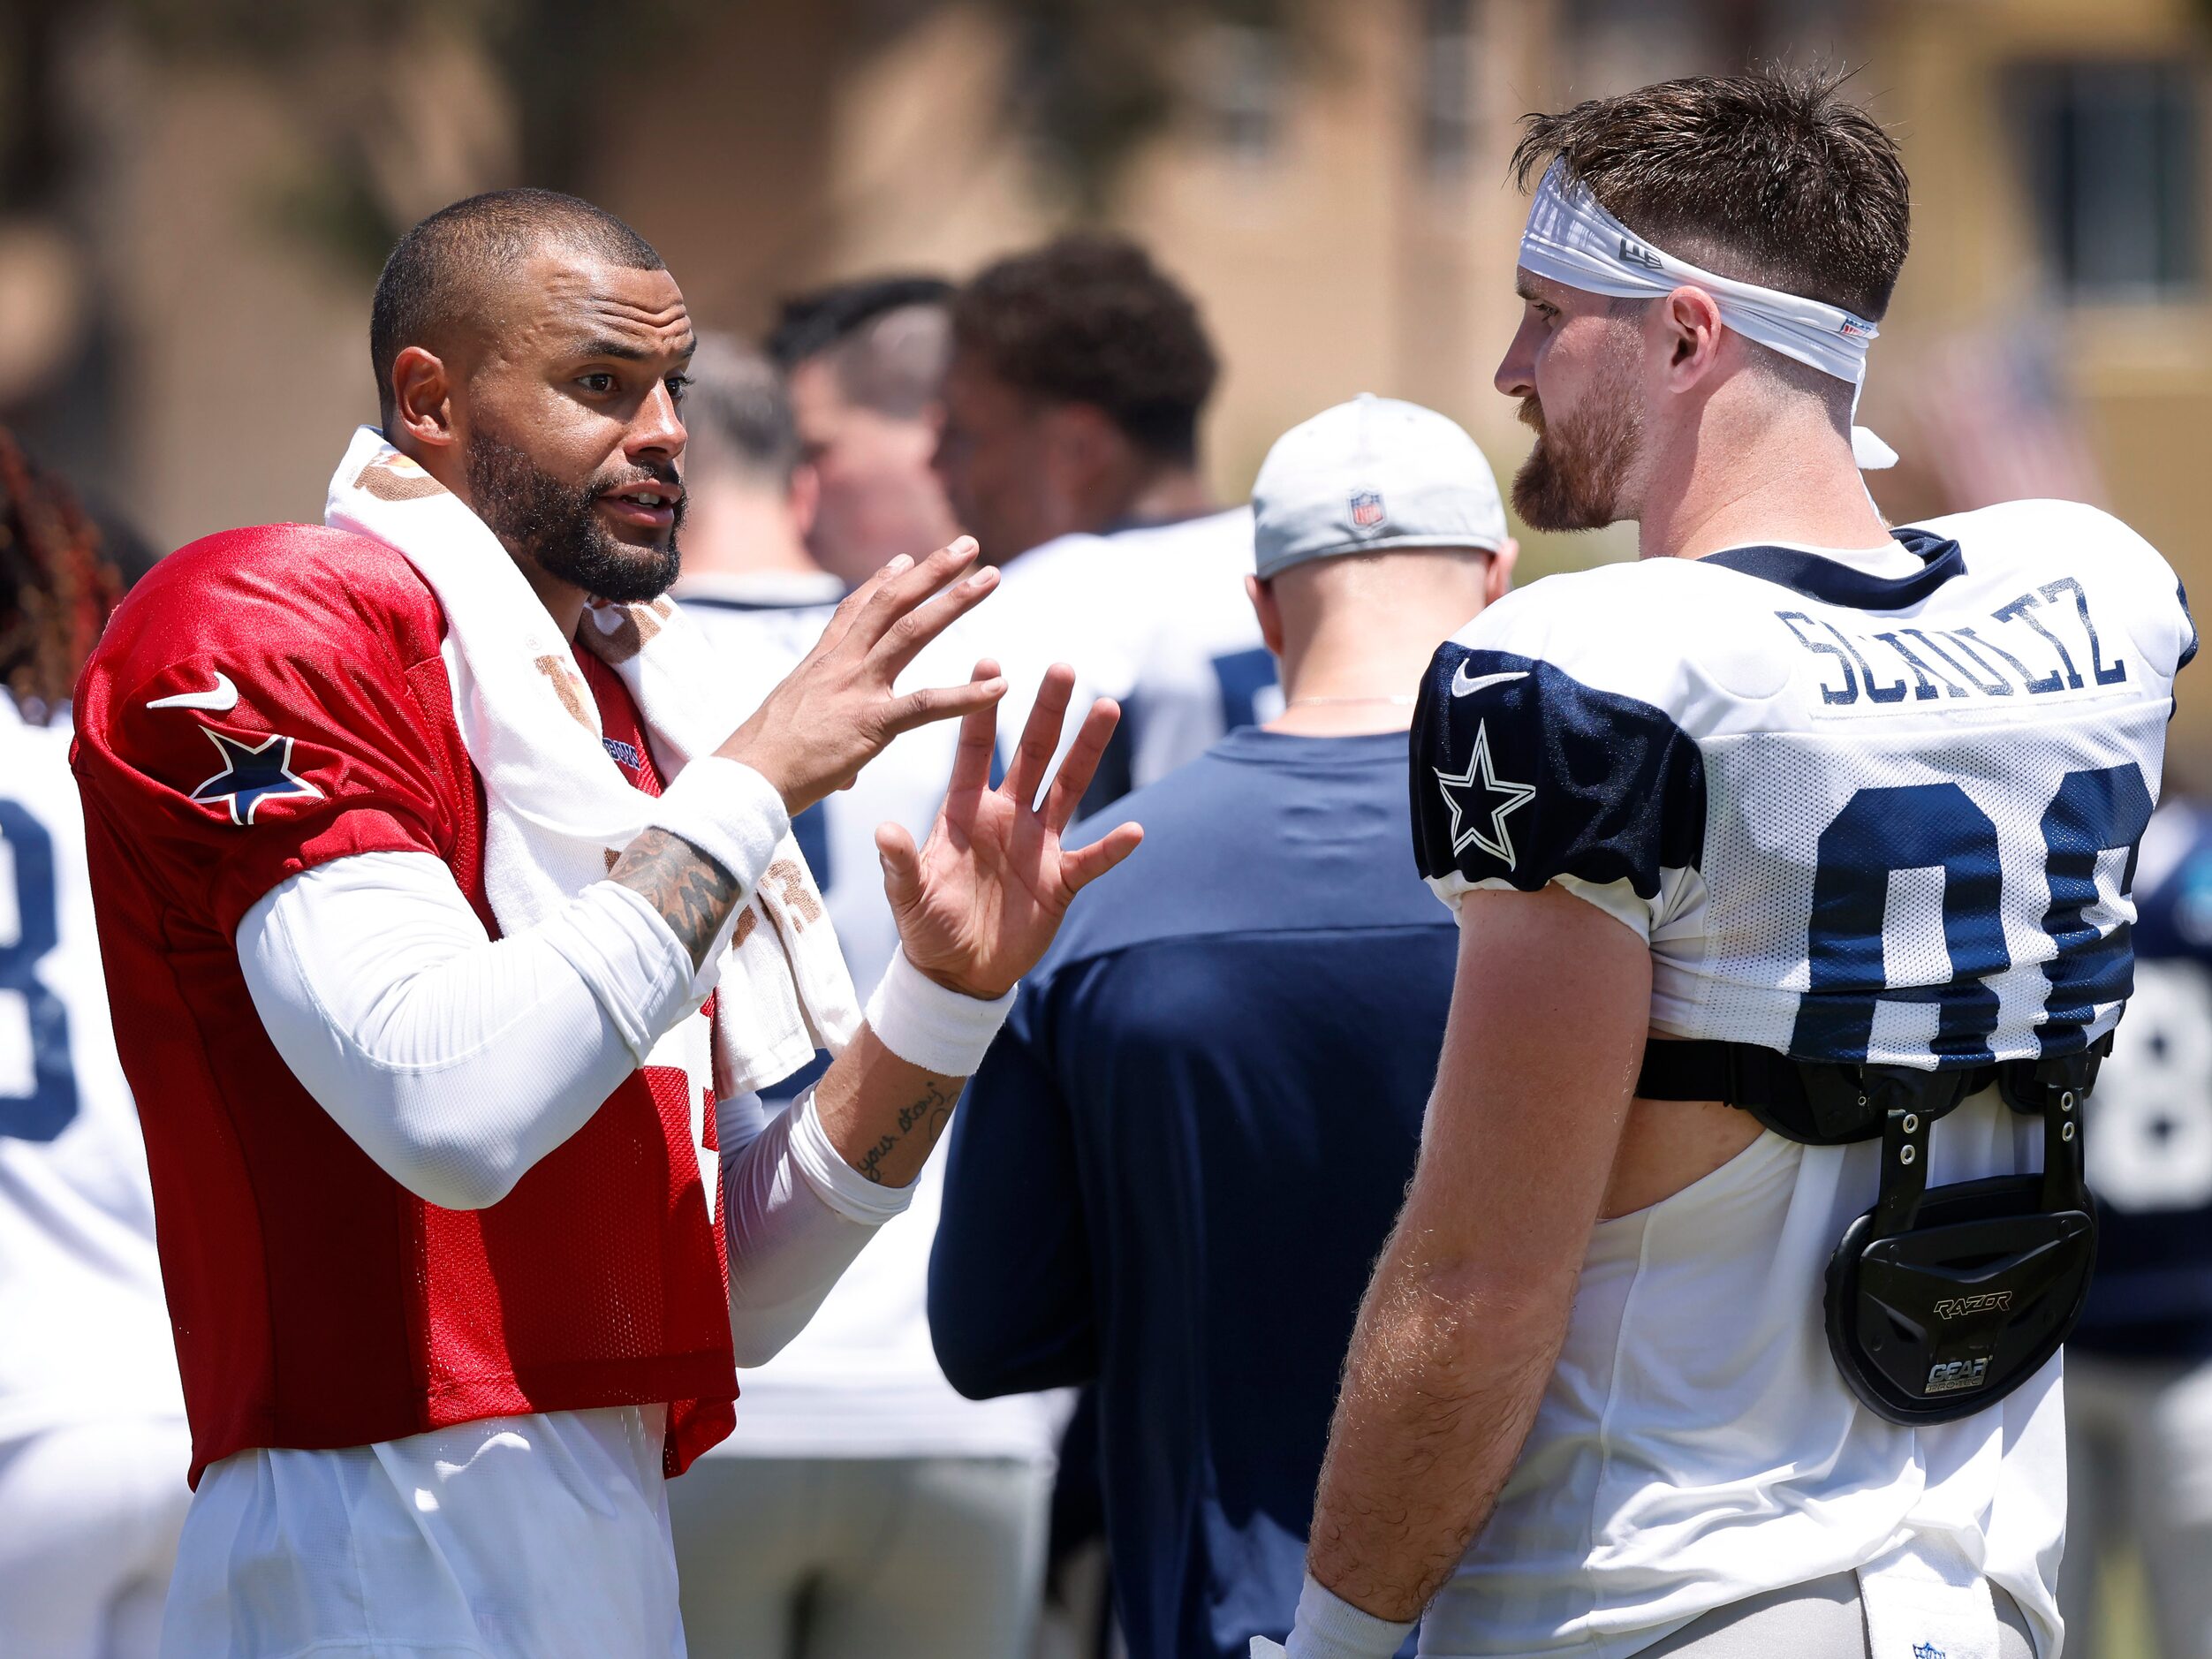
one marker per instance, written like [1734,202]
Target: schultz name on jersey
[1864,807]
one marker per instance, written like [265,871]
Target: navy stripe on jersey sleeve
[1524,774]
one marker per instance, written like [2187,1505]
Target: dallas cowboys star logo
[1478,793]
[251,772]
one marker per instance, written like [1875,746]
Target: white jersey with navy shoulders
[1865,806]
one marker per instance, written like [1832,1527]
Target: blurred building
[186,255]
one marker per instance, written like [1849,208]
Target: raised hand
[978,903]
[837,710]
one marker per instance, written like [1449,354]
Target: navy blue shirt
[1175,1169]
[2149,1123]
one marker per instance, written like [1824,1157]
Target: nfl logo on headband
[1366,509]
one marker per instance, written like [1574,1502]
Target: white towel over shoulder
[558,807]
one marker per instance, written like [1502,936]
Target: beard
[1572,478]
[556,526]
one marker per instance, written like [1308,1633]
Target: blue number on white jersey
[49,1104]
[1883,811]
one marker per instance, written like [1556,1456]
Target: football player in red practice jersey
[420,938]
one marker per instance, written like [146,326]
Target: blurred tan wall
[788,144]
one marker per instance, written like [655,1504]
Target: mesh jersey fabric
[80,1293]
[2150,1120]
[1858,816]
[316,1302]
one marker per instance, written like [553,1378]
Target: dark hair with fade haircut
[808,324]
[441,274]
[1772,178]
[738,413]
[1091,319]
[884,339]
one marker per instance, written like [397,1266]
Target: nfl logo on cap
[1366,509]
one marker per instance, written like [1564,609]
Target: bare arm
[1464,1318]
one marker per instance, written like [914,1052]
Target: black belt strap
[1831,1105]
[1737,1073]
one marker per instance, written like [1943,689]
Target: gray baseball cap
[1371,474]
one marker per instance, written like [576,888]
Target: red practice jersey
[266,701]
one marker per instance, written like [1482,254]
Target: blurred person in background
[866,362]
[1251,1032]
[2138,1366]
[748,500]
[861,1506]
[1078,375]
[93,1441]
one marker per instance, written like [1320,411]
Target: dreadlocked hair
[57,584]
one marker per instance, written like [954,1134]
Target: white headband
[1572,239]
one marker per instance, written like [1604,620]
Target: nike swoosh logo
[1465,686]
[222,699]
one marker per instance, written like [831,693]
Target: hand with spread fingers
[978,903]
[837,710]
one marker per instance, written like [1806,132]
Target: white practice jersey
[84,1330]
[1864,807]
[862,1379]
[1155,617]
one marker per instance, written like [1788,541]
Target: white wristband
[729,812]
[1330,1627]
[927,1026]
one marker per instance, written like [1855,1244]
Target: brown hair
[57,584]
[1090,319]
[1770,177]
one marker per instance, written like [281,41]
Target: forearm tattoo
[931,1112]
[693,894]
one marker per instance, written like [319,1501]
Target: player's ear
[1497,580]
[804,498]
[1083,439]
[421,398]
[1270,614]
[1690,324]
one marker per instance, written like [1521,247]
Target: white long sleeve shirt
[457,1062]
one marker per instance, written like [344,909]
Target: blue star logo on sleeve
[1479,795]
[251,772]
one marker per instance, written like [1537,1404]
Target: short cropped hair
[1091,319]
[738,414]
[884,339]
[1772,178]
[445,272]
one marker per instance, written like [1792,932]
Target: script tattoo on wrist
[931,1111]
[693,894]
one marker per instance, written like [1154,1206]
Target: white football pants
[89,1515]
[1819,1620]
[860,1557]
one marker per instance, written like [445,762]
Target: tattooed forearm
[693,894]
[932,1110]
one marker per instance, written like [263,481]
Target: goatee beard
[1571,479]
[553,525]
